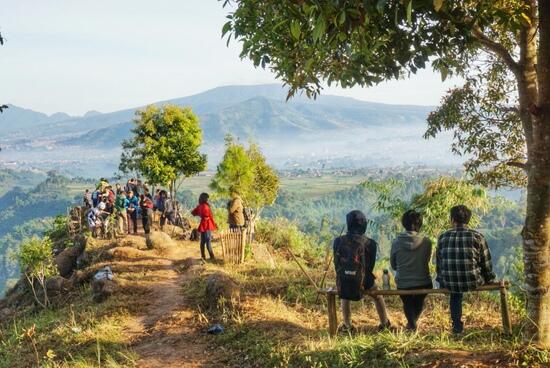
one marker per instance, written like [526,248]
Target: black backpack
[350,255]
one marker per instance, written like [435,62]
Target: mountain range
[258,112]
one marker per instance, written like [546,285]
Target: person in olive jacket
[235,211]
[410,256]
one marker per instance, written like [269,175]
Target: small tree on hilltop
[247,172]
[36,260]
[165,146]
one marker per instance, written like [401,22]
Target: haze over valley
[353,133]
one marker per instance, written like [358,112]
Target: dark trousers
[456,312]
[206,241]
[146,223]
[132,221]
[413,305]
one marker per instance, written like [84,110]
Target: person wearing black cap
[354,259]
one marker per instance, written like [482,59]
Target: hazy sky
[80,55]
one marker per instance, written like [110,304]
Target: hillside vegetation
[165,299]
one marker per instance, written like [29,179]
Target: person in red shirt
[206,226]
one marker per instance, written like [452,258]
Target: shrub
[281,233]
[35,258]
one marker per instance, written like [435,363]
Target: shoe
[385,326]
[345,329]
[458,328]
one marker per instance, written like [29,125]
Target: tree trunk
[536,233]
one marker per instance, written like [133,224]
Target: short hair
[412,220]
[461,214]
[203,198]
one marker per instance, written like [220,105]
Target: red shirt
[207,220]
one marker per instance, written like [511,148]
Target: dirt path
[165,334]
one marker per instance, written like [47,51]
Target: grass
[81,334]
[279,325]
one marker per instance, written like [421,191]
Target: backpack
[350,256]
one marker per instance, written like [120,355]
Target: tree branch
[497,49]
[522,165]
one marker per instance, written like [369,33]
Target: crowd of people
[463,259]
[463,263]
[125,206]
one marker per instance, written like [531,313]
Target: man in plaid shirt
[463,261]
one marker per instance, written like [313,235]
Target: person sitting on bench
[463,262]
[354,258]
[410,257]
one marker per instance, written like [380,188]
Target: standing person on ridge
[235,209]
[132,210]
[121,207]
[463,262]
[410,256]
[206,226]
[354,259]
[146,205]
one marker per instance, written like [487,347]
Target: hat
[101,206]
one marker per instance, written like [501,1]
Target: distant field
[307,186]
[311,187]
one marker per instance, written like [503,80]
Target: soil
[165,333]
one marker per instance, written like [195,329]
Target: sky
[105,55]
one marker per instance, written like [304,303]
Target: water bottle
[386,280]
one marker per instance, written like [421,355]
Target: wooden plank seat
[501,286]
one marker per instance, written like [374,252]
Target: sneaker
[458,328]
[385,326]
[345,329]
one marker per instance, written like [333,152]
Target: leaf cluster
[165,145]
[245,171]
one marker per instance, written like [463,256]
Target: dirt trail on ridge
[165,333]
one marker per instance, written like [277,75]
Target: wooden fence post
[332,315]
[243,244]
[504,309]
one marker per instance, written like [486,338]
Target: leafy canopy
[357,42]
[165,145]
[246,172]
[435,202]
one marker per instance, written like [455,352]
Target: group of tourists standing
[463,263]
[126,205]
[235,219]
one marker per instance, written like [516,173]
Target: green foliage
[165,145]
[281,234]
[484,117]
[435,202]
[35,257]
[36,260]
[246,172]
[59,230]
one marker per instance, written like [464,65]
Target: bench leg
[332,316]
[505,310]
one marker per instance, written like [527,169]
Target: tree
[165,146]
[246,172]
[435,202]
[35,258]
[356,42]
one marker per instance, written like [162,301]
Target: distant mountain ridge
[246,111]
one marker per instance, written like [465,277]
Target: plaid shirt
[463,260]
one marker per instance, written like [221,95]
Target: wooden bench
[501,286]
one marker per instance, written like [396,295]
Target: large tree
[358,42]
[165,146]
[245,170]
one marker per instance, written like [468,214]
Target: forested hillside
[28,212]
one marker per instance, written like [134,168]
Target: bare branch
[522,165]
[497,49]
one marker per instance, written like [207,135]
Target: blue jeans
[456,312]
[206,240]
